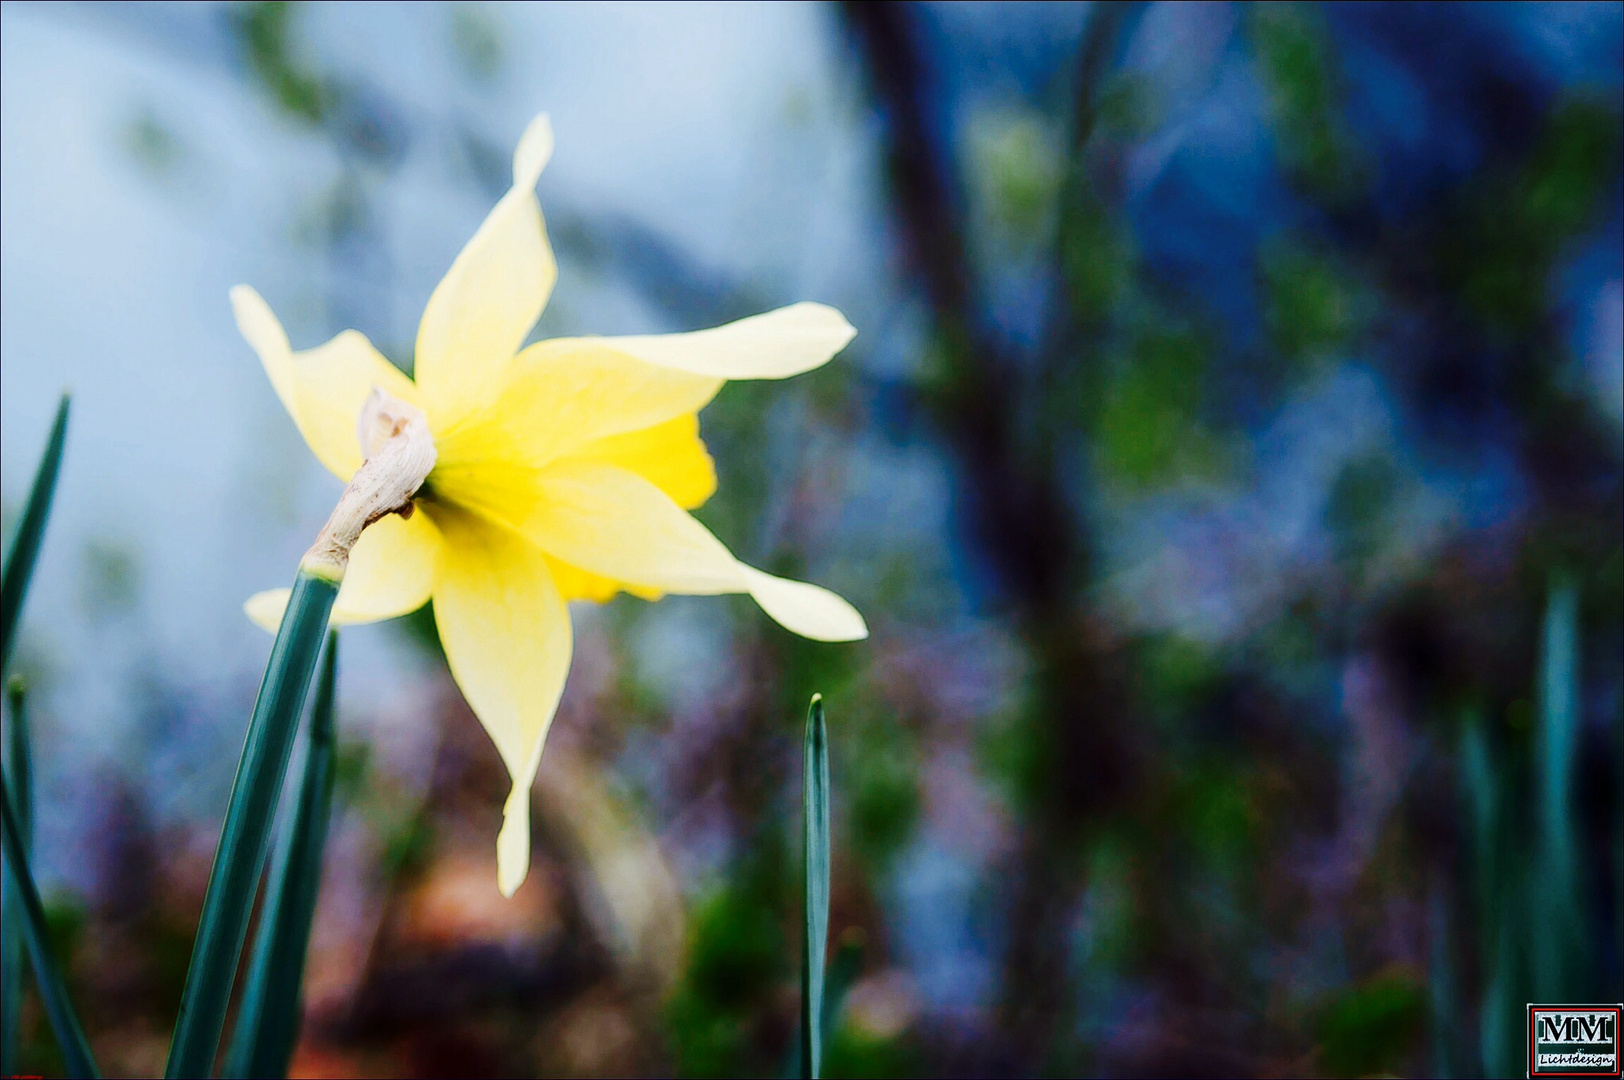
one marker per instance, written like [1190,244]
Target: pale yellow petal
[489,300]
[611,522]
[557,397]
[773,345]
[805,609]
[391,573]
[323,388]
[266,608]
[392,569]
[534,150]
[671,456]
[576,584]
[263,331]
[618,525]
[507,639]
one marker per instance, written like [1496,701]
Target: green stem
[11,935]
[267,1026]
[815,922]
[1559,950]
[245,836]
[53,992]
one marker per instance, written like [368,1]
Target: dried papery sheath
[399,453]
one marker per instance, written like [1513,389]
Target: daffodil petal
[809,610]
[576,584]
[772,345]
[391,573]
[535,149]
[488,301]
[507,639]
[558,397]
[323,388]
[671,456]
[392,569]
[267,608]
[614,523]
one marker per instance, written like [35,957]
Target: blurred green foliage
[1017,168]
[879,781]
[1314,307]
[267,31]
[738,956]
[1098,256]
[1518,218]
[1298,69]
[476,38]
[1372,1028]
[1150,427]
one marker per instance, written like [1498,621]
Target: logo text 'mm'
[1576,1028]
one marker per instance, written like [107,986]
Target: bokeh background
[1228,465]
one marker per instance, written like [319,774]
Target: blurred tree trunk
[1014,513]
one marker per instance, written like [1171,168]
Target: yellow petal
[391,573]
[576,584]
[616,524]
[488,301]
[323,388]
[671,456]
[772,345]
[266,608]
[805,609]
[507,639]
[535,149]
[556,398]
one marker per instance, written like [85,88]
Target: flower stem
[246,834]
[20,770]
[267,1025]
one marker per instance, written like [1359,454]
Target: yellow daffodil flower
[565,471]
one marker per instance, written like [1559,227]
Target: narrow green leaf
[1559,948]
[267,1027]
[815,923]
[20,766]
[844,968]
[53,992]
[30,531]
[1558,710]
[245,836]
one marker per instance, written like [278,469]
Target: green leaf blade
[53,991]
[245,835]
[1559,950]
[268,1021]
[19,766]
[815,921]
[25,546]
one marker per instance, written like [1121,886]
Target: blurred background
[1228,465]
